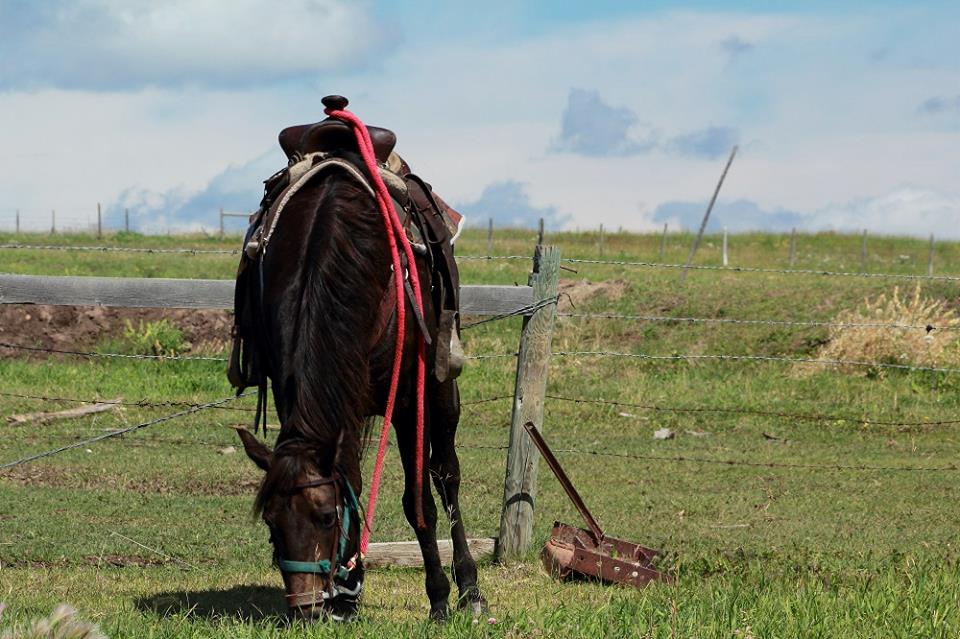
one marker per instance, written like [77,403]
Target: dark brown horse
[316,317]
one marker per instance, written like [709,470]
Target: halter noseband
[341,566]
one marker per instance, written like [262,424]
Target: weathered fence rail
[133,292]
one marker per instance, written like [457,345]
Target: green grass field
[151,534]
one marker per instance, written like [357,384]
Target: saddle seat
[331,134]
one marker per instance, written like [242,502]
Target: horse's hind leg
[437,584]
[445,468]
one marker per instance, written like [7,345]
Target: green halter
[324,566]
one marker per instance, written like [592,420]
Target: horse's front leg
[445,468]
[437,584]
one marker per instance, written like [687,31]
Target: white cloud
[903,211]
[907,210]
[131,44]
[592,128]
[508,204]
[237,189]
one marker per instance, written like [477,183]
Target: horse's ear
[259,452]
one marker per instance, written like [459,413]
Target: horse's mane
[325,390]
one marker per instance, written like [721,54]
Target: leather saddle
[432,220]
[331,134]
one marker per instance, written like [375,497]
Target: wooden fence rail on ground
[475,300]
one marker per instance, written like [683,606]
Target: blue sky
[847,115]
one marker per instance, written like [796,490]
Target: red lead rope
[395,234]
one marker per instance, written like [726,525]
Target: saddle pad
[453,220]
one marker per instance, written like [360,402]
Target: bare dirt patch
[573,293]
[67,477]
[83,327]
[117,561]
[124,561]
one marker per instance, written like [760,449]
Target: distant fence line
[597,262]
[94,222]
[720,357]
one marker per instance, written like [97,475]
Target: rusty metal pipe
[572,493]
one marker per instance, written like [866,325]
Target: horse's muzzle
[336,609]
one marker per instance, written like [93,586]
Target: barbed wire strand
[491,258]
[142,403]
[145,403]
[528,309]
[820,417]
[120,249]
[731,462]
[700,267]
[757,464]
[756,358]
[60,351]
[756,269]
[771,322]
[122,431]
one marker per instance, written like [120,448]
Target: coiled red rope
[395,235]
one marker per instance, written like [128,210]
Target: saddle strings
[395,233]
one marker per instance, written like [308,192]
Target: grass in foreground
[151,535]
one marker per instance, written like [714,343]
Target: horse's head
[314,519]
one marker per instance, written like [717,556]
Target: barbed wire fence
[746,461]
[595,316]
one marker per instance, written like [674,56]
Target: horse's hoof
[439,612]
[475,604]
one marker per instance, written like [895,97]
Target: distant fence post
[601,240]
[706,216]
[663,242]
[520,483]
[725,260]
[126,220]
[793,246]
[99,223]
[221,222]
[489,237]
[53,221]
[930,257]
[18,222]
[863,252]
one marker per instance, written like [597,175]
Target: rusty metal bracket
[573,552]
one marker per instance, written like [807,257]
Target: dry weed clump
[934,346]
[61,624]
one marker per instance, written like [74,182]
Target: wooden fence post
[863,252]
[489,237]
[99,223]
[126,220]
[725,260]
[930,257]
[53,221]
[601,240]
[793,246]
[706,216]
[663,242]
[221,222]
[18,221]
[519,486]
[540,234]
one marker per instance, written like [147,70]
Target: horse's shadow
[247,603]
